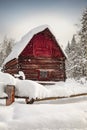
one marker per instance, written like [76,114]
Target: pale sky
[17,17]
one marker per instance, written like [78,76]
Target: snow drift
[7,79]
[2,88]
[31,89]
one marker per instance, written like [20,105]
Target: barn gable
[19,46]
[38,55]
[43,44]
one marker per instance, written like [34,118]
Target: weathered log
[12,67]
[54,98]
[12,62]
[11,71]
[33,66]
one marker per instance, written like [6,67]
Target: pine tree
[83,42]
[5,48]
[77,57]
[9,47]
[73,66]
[68,49]
[1,57]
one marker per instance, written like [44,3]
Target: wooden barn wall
[43,53]
[41,56]
[11,67]
[32,67]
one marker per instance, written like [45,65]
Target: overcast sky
[17,17]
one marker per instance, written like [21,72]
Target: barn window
[43,74]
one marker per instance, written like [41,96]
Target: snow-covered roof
[19,46]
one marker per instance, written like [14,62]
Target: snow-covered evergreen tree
[83,41]
[5,48]
[76,65]
[68,49]
[73,63]
[70,63]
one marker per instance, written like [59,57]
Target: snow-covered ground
[69,116]
[60,114]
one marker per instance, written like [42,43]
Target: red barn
[38,55]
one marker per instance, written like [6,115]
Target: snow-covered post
[10,90]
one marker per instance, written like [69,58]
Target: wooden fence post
[10,90]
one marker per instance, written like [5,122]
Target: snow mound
[30,89]
[34,90]
[21,73]
[2,88]
[66,89]
[7,79]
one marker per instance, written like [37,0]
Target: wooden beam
[10,90]
[54,98]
